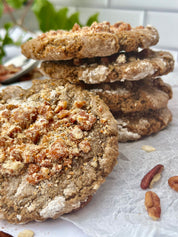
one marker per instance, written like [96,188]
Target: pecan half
[4,234]
[152,176]
[173,183]
[152,204]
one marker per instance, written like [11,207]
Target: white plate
[20,61]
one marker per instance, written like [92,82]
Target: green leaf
[7,26]
[1,9]
[2,54]
[49,18]
[61,18]
[45,14]
[16,3]
[92,18]
[74,18]
[5,40]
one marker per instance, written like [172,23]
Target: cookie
[100,39]
[133,96]
[134,126]
[130,39]
[118,67]
[57,145]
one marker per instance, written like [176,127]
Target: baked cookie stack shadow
[116,63]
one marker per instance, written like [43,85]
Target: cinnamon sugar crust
[123,66]
[58,144]
[100,39]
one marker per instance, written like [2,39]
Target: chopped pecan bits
[152,176]
[67,162]
[46,111]
[57,168]
[152,204]
[33,168]
[58,149]
[23,117]
[60,106]
[4,234]
[74,152]
[43,139]
[16,153]
[35,178]
[33,134]
[2,155]
[30,152]
[84,120]
[76,133]
[12,167]
[13,132]
[44,171]
[85,146]
[76,27]
[79,104]
[46,163]
[121,26]
[173,183]
[63,114]
[100,108]
[99,27]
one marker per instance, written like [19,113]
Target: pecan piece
[173,183]
[148,148]
[152,204]
[152,176]
[4,234]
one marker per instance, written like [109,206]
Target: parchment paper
[117,209]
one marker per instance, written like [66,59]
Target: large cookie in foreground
[100,39]
[57,145]
[123,66]
[134,126]
[133,96]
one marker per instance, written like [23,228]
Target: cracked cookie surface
[133,96]
[58,143]
[134,126]
[123,66]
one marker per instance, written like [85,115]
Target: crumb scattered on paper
[26,233]
[148,148]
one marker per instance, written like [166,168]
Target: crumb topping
[95,27]
[41,138]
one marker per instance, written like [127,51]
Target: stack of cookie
[115,62]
